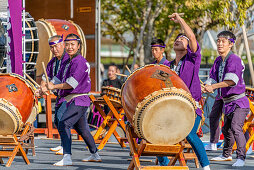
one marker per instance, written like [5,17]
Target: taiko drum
[16,102]
[158,104]
[49,27]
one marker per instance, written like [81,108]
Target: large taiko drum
[158,104]
[17,103]
[32,42]
[50,27]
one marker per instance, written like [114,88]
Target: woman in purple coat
[74,88]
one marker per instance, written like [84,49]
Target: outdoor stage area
[113,158]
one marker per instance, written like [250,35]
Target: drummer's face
[57,49]
[157,52]
[180,44]
[72,47]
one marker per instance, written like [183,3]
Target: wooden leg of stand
[135,157]
[14,153]
[33,149]
[1,161]
[106,138]
[23,155]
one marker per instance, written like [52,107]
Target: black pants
[75,116]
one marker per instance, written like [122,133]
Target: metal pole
[98,45]
[248,54]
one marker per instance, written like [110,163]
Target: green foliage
[128,16]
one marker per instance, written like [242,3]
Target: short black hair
[181,34]
[157,41]
[227,34]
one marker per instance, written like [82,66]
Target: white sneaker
[221,158]
[207,167]
[211,147]
[60,152]
[239,163]
[56,148]
[66,161]
[93,158]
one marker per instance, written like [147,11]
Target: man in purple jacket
[186,65]
[226,75]
[60,57]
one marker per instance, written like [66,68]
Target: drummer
[56,45]
[226,76]
[74,87]
[186,65]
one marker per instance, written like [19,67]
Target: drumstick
[121,75]
[32,80]
[180,14]
[128,68]
[44,70]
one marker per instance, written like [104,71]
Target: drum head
[165,119]
[7,123]
[10,119]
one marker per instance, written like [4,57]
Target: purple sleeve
[234,69]
[194,54]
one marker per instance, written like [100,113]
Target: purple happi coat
[233,70]
[76,74]
[163,61]
[52,64]
[189,73]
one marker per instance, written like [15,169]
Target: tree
[146,19]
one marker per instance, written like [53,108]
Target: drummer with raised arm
[74,87]
[186,65]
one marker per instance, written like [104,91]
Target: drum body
[158,104]
[50,27]
[114,94]
[16,102]
[32,43]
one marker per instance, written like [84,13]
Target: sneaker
[239,162]
[211,147]
[221,158]
[60,152]
[66,161]
[93,158]
[207,167]
[56,148]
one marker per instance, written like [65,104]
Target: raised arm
[187,30]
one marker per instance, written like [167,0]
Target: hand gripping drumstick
[180,14]
[203,84]
[32,80]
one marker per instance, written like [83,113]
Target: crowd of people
[69,80]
